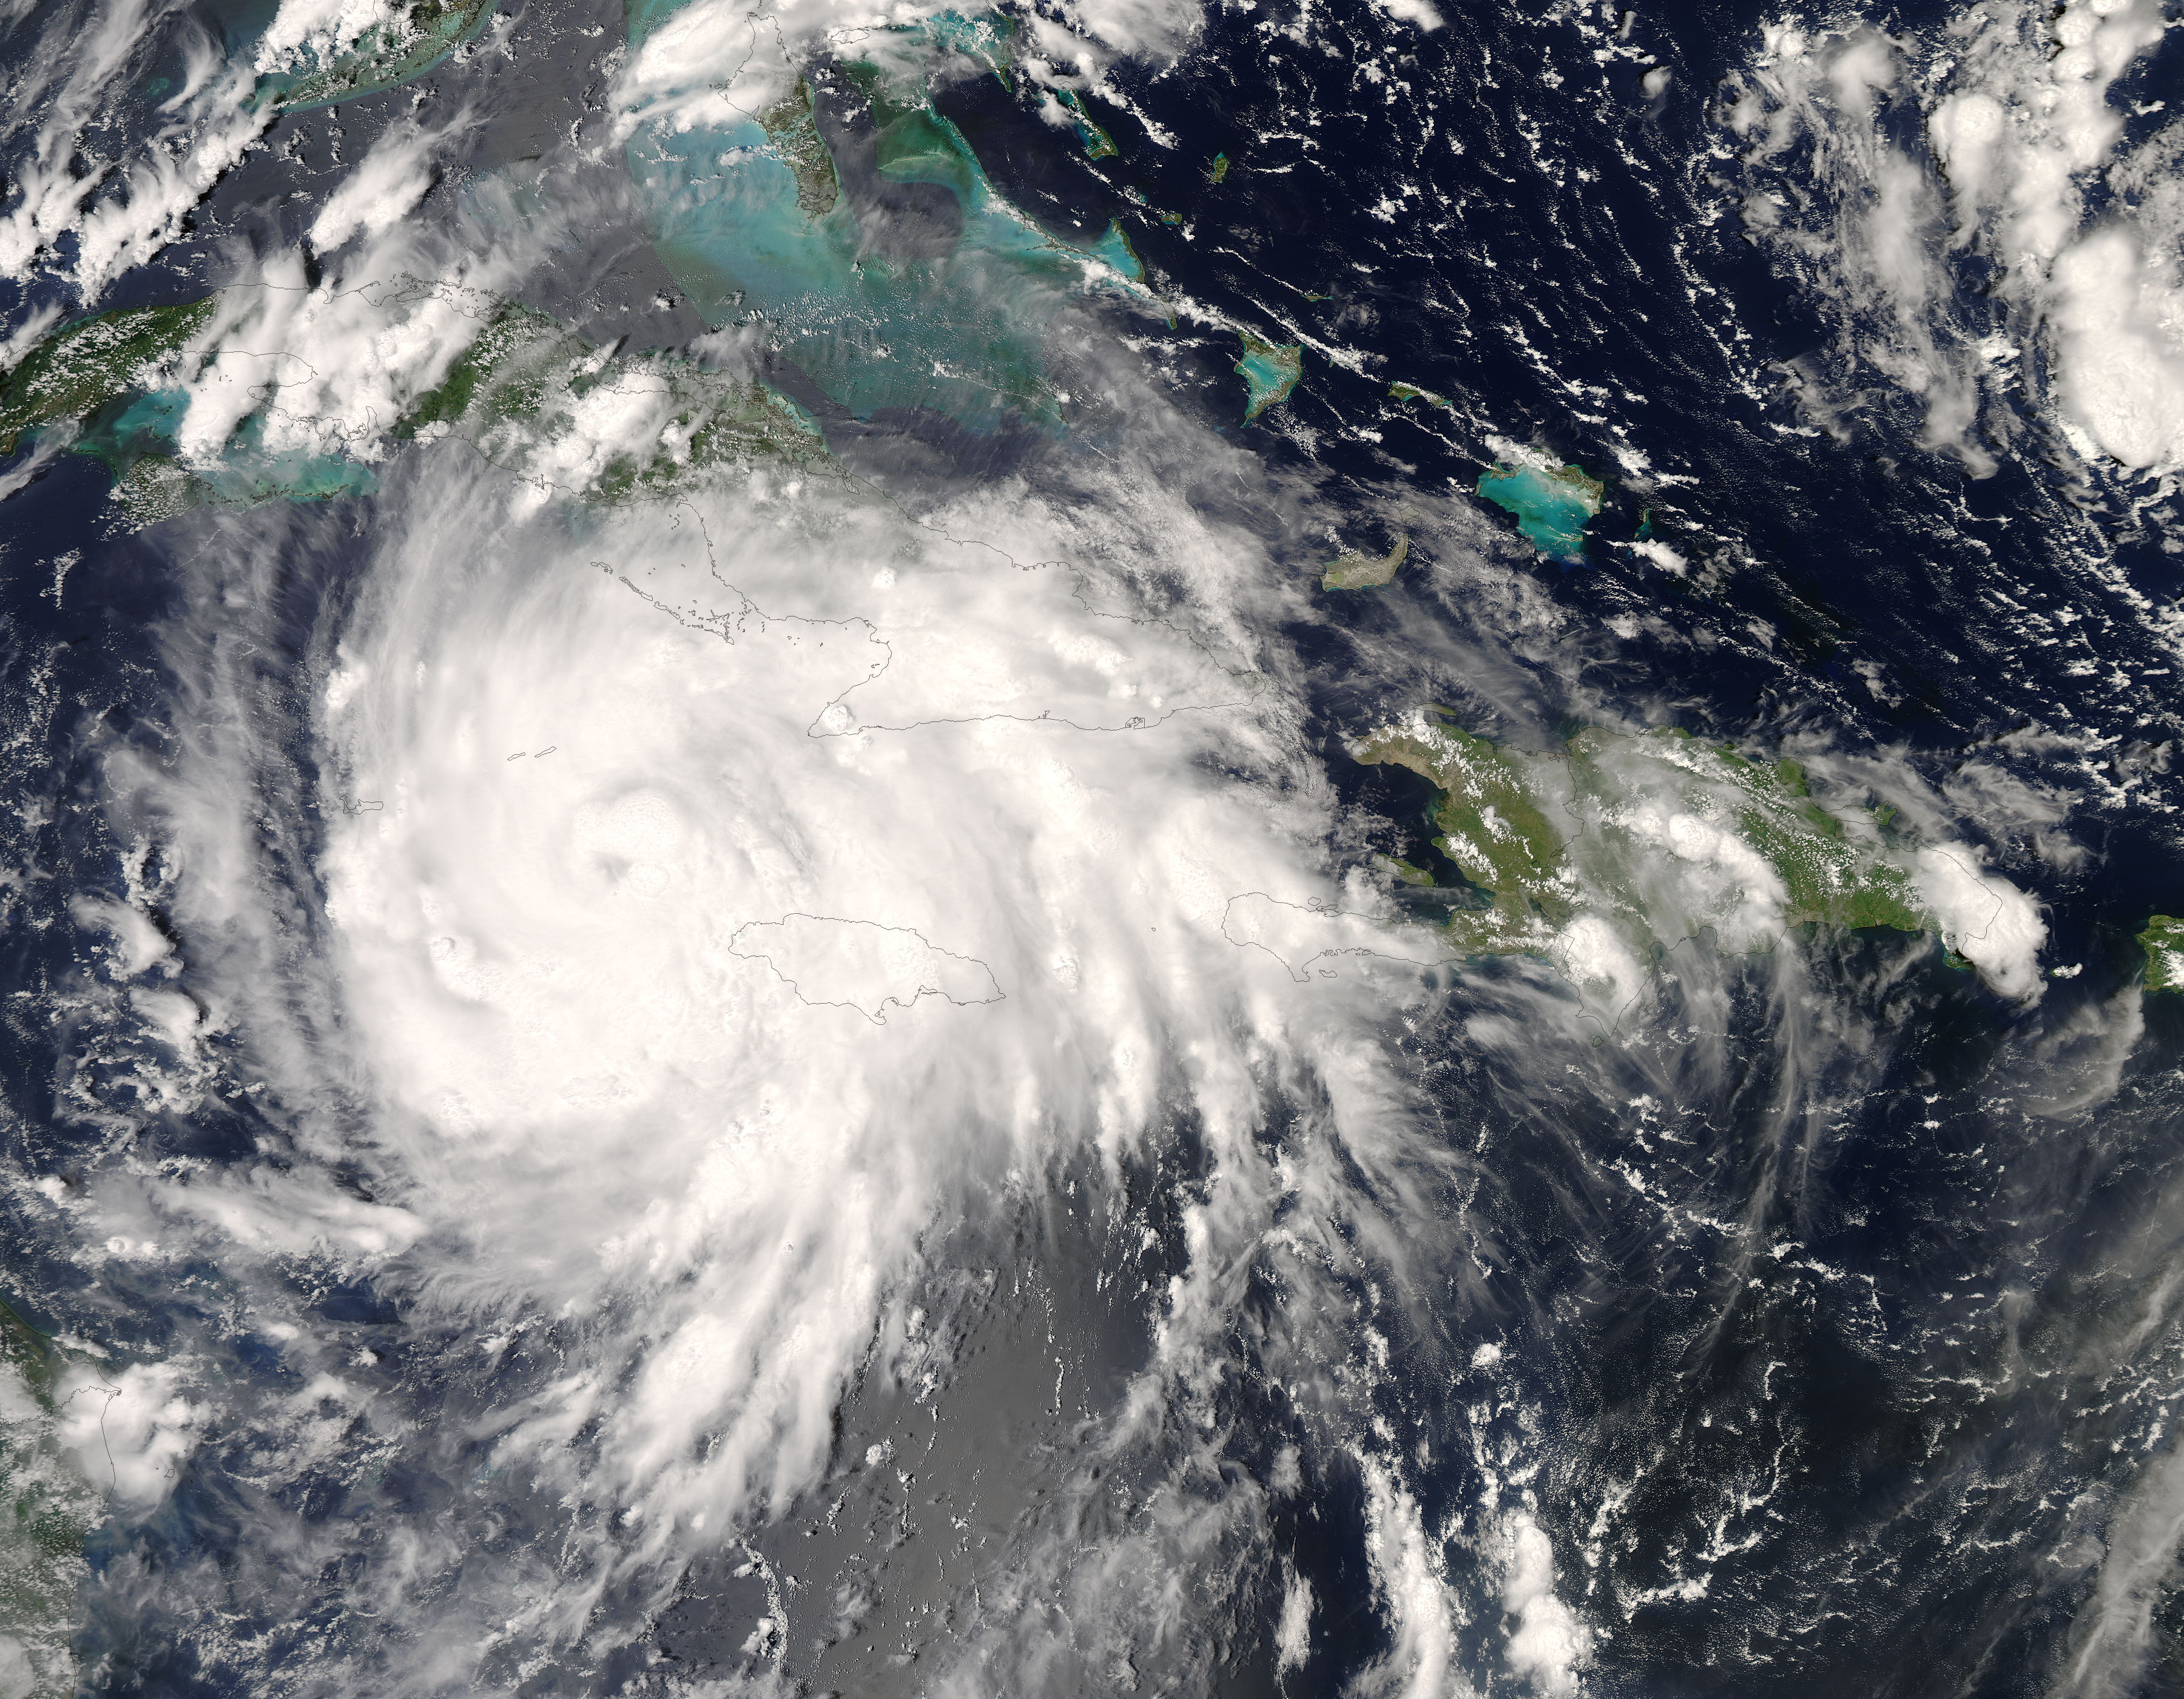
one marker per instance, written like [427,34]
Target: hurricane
[1297,847]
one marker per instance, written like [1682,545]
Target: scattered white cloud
[2024,117]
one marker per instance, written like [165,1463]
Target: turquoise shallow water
[145,424]
[377,62]
[250,472]
[957,331]
[1270,373]
[1550,511]
[247,471]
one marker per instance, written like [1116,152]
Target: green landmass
[494,378]
[1114,249]
[46,1512]
[116,383]
[1220,168]
[1405,872]
[1828,879]
[1411,392]
[1552,504]
[1098,143]
[794,132]
[2163,941]
[1136,197]
[1270,371]
[751,221]
[1662,835]
[84,367]
[1352,571]
[519,388]
[1491,826]
[385,56]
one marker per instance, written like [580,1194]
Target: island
[831,963]
[390,53]
[1552,502]
[1649,838]
[1270,370]
[763,230]
[527,393]
[2163,941]
[1354,571]
[793,127]
[82,369]
[1098,143]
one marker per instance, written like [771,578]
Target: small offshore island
[1353,572]
[388,54]
[1270,371]
[1552,504]
[120,386]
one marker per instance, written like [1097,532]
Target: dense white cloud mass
[119,209]
[305,31]
[1550,1644]
[1985,920]
[839,964]
[2120,315]
[129,1431]
[382,191]
[671,997]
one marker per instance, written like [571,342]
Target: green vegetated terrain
[523,386]
[46,1511]
[987,39]
[1098,143]
[1663,834]
[115,385]
[82,368]
[2163,941]
[793,130]
[750,218]
[532,397]
[118,383]
[1491,826]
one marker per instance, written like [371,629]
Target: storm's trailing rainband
[1247,849]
